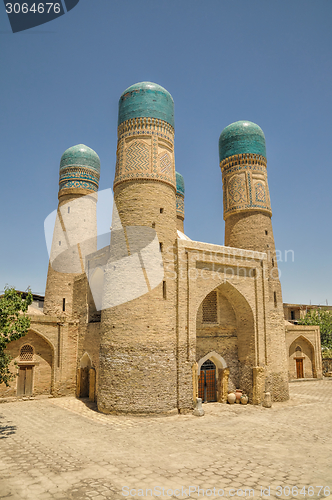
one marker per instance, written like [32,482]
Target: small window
[26,353]
[69,210]
[275,299]
[292,314]
[63,304]
[161,210]
[160,246]
[266,233]
[164,290]
[59,243]
[298,348]
[153,224]
[272,262]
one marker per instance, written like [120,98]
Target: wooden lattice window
[26,353]
[298,351]
[210,308]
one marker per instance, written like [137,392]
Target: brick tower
[179,202]
[138,323]
[247,215]
[75,230]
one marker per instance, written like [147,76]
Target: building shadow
[6,429]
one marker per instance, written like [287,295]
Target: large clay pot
[238,394]
[244,399]
[231,398]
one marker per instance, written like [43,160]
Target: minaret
[247,215]
[179,202]
[138,336]
[75,230]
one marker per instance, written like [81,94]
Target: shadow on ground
[6,429]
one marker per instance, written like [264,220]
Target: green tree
[13,324]
[324,320]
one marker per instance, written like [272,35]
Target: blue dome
[80,156]
[179,184]
[79,168]
[240,138]
[146,100]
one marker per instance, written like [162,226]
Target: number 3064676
[36,8]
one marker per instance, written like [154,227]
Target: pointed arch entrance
[212,376]
[225,335]
[302,359]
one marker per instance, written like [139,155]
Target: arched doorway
[25,371]
[86,378]
[207,382]
[301,359]
[225,326]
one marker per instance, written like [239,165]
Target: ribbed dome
[179,184]
[240,138]
[80,156]
[146,100]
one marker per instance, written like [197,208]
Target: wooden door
[207,387]
[299,368]
[24,382]
[84,384]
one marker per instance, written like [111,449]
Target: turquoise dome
[179,184]
[240,138]
[146,100]
[80,156]
[79,168]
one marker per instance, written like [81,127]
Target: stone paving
[63,449]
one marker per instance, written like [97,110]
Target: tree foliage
[324,320]
[13,324]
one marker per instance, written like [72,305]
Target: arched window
[298,350]
[26,353]
[210,308]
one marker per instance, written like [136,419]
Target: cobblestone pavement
[63,449]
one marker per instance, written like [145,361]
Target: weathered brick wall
[138,338]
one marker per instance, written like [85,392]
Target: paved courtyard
[63,449]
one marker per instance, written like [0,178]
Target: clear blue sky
[222,61]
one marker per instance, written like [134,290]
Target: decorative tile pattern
[236,190]
[78,184]
[180,206]
[248,193]
[179,183]
[165,163]
[156,164]
[260,192]
[79,177]
[137,157]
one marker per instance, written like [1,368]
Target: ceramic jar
[231,398]
[244,399]
[238,394]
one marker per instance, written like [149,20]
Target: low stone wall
[327,366]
